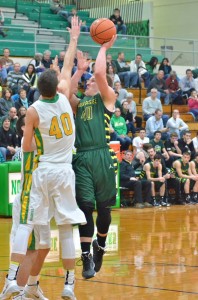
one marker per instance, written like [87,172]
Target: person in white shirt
[155,123]
[195,142]
[139,67]
[150,104]
[138,141]
[133,109]
[176,124]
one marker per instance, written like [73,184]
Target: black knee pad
[87,230]
[103,219]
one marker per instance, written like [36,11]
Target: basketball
[102,30]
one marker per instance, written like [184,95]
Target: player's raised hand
[110,43]
[83,61]
[75,28]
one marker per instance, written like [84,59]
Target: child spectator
[117,20]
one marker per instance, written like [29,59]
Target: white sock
[32,280]
[69,277]
[13,270]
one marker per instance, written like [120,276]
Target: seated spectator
[83,27]
[139,141]
[61,59]
[22,100]
[150,104]
[129,180]
[187,84]
[13,118]
[117,20]
[129,78]
[165,67]
[159,83]
[122,92]
[112,73]
[118,103]
[30,82]
[195,142]
[193,104]
[174,89]
[14,79]
[47,60]
[37,62]
[20,126]
[110,61]
[93,68]
[133,110]
[128,116]
[6,64]
[57,8]
[181,172]
[151,66]
[155,123]
[22,111]
[185,144]
[176,124]
[119,130]
[139,67]
[6,102]
[2,19]
[153,172]
[8,139]
[172,147]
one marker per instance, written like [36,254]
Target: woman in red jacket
[193,103]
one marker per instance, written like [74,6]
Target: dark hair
[188,70]
[114,69]
[187,131]
[139,55]
[186,153]
[119,93]
[47,83]
[157,110]
[157,131]
[5,90]
[174,134]
[196,154]
[109,80]
[162,63]
[157,156]
[152,62]
[34,70]
[21,90]
[20,122]
[116,9]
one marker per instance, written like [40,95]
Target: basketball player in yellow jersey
[49,191]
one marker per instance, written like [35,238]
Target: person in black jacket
[185,144]
[117,20]
[8,139]
[129,180]
[128,116]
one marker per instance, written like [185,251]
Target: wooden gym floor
[152,254]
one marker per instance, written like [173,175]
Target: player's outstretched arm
[65,75]
[31,122]
[106,91]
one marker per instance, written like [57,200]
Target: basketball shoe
[68,291]
[98,253]
[34,291]
[21,296]
[88,266]
[10,289]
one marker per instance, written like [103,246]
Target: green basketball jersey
[153,172]
[196,166]
[184,169]
[92,123]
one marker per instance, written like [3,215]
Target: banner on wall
[14,180]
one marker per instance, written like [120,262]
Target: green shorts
[158,185]
[95,178]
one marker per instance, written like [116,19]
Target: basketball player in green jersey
[181,171]
[194,170]
[93,163]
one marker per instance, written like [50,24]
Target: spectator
[133,110]
[117,20]
[187,83]
[165,67]
[119,132]
[151,66]
[22,111]
[61,59]
[30,78]
[22,100]
[129,180]
[83,27]
[118,103]
[172,147]
[195,142]
[176,124]
[159,83]
[37,62]
[138,141]
[128,116]
[14,79]
[46,60]
[129,78]
[6,102]
[6,65]
[193,104]
[153,172]
[158,145]
[150,104]
[139,67]
[155,123]
[13,118]
[2,19]
[8,139]
[185,144]
[57,8]
[174,89]
[112,73]
[122,92]
[110,61]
